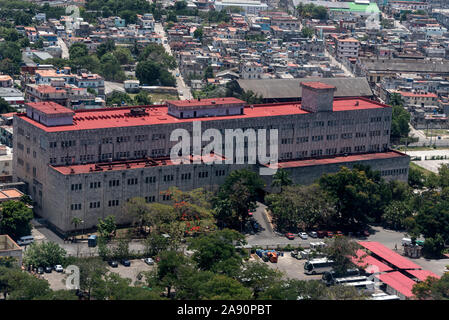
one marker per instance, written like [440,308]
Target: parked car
[23,241]
[365,233]
[303,235]
[125,262]
[321,234]
[40,270]
[329,234]
[313,234]
[339,233]
[290,236]
[113,264]
[59,268]
[47,269]
[148,261]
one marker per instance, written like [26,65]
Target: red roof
[128,164]
[205,102]
[412,94]
[317,85]
[49,107]
[340,159]
[370,264]
[398,282]
[389,255]
[422,274]
[119,117]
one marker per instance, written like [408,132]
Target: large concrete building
[88,163]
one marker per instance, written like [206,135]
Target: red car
[290,236]
[329,234]
[321,234]
[339,233]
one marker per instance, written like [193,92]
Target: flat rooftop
[340,159]
[128,164]
[121,117]
[10,194]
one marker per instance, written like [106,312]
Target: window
[346,135]
[53,144]
[359,148]
[123,139]
[332,137]
[113,203]
[318,124]
[141,137]
[220,173]
[150,179]
[114,183]
[106,140]
[286,140]
[166,197]
[302,139]
[317,138]
[374,133]
[132,181]
[75,206]
[94,205]
[332,123]
[95,185]
[331,151]
[150,199]
[69,143]
[345,150]
[168,177]
[140,153]
[203,174]
[186,176]
[158,136]
[76,186]
[360,134]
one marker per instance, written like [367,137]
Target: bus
[362,285]
[350,279]
[318,266]
[330,276]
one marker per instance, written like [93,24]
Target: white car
[148,261]
[59,268]
[303,235]
[313,234]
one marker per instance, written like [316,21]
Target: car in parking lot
[329,234]
[339,233]
[125,262]
[290,236]
[59,268]
[148,261]
[321,234]
[313,234]
[303,235]
[48,269]
[113,263]
[40,270]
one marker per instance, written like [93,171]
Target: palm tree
[76,222]
[281,179]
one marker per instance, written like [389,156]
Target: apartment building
[346,47]
[88,163]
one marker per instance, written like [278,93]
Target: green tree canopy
[15,218]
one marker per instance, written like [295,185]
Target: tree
[281,179]
[142,98]
[216,252]
[258,277]
[121,250]
[198,33]
[415,178]
[18,285]
[15,218]
[138,209]
[222,287]
[241,188]
[5,107]
[340,250]
[92,271]
[76,221]
[119,98]
[169,269]
[45,254]
[107,227]
[123,55]
[154,244]
[78,50]
[307,32]
[432,288]
[110,68]
[395,214]
[357,197]
[208,72]
[148,73]
[106,47]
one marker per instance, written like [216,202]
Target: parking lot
[132,271]
[55,279]
[291,267]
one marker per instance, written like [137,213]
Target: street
[65,50]
[337,64]
[183,89]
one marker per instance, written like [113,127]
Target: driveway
[183,89]
[431,165]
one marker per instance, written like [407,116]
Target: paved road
[431,165]
[424,140]
[334,62]
[110,86]
[64,48]
[183,89]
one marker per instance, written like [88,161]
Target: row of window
[393,172]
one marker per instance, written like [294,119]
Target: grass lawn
[425,172]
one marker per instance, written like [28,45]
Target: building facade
[88,163]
